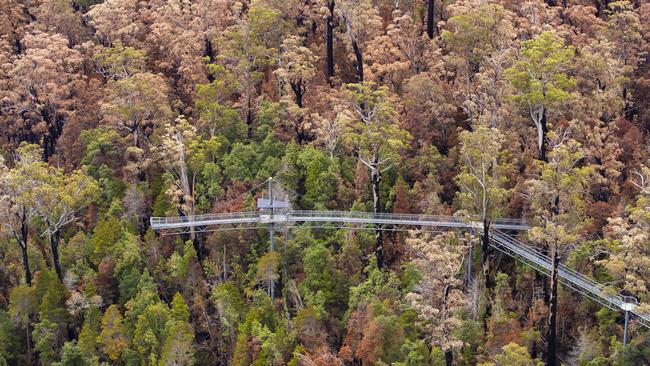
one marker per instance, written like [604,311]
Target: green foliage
[230,306]
[323,286]
[473,34]
[415,353]
[267,267]
[558,196]
[52,304]
[131,110]
[120,61]
[637,352]
[180,311]
[470,333]
[151,330]
[8,339]
[178,349]
[44,335]
[437,356]
[606,321]
[387,334]
[102,152]
[514,355]
[379,285]
[410,277]
[540,76]
[242,162]
[71,355]
[212,103]
[178,265]
[147,294]
[75,255]
[261,325]
[320,178]
[371,126]
[129,266]
[253,160]
[23,305]
[249,44]
[113,337]
[483,176]
[107,234]
[88,344]
[163,205]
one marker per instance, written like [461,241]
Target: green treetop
[542,80]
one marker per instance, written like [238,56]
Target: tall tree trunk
[539,118]
[376,178]
[329,39]
[23,248]
[54,125]
[544,143]
[449,357]
[55,237]
[551,354]
[357,50]
[209,53]
[299,92]
[135,131]
[28,272]
[628,109]
[430,14]
[449,353]
[359,61]
[188,191]
[249,117]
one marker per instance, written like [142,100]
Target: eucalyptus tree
[483,182]
[559,198]
[17,211]
[374,136]
[542,81]
[56,198]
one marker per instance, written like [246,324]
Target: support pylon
[271,234]
[627,307]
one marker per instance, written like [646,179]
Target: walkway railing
[400,219]
[159,223]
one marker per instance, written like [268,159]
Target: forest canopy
[116,111]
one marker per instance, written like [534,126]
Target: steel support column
[271,234]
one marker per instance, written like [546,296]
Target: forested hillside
[116,111]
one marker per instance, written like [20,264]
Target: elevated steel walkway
[214,221]
[388,221]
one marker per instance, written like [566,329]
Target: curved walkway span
[388,221]
[202,222]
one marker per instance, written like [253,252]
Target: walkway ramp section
[567,276]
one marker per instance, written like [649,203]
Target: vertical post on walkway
[470,255]
[627,319]
[627,307]
[271,233]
